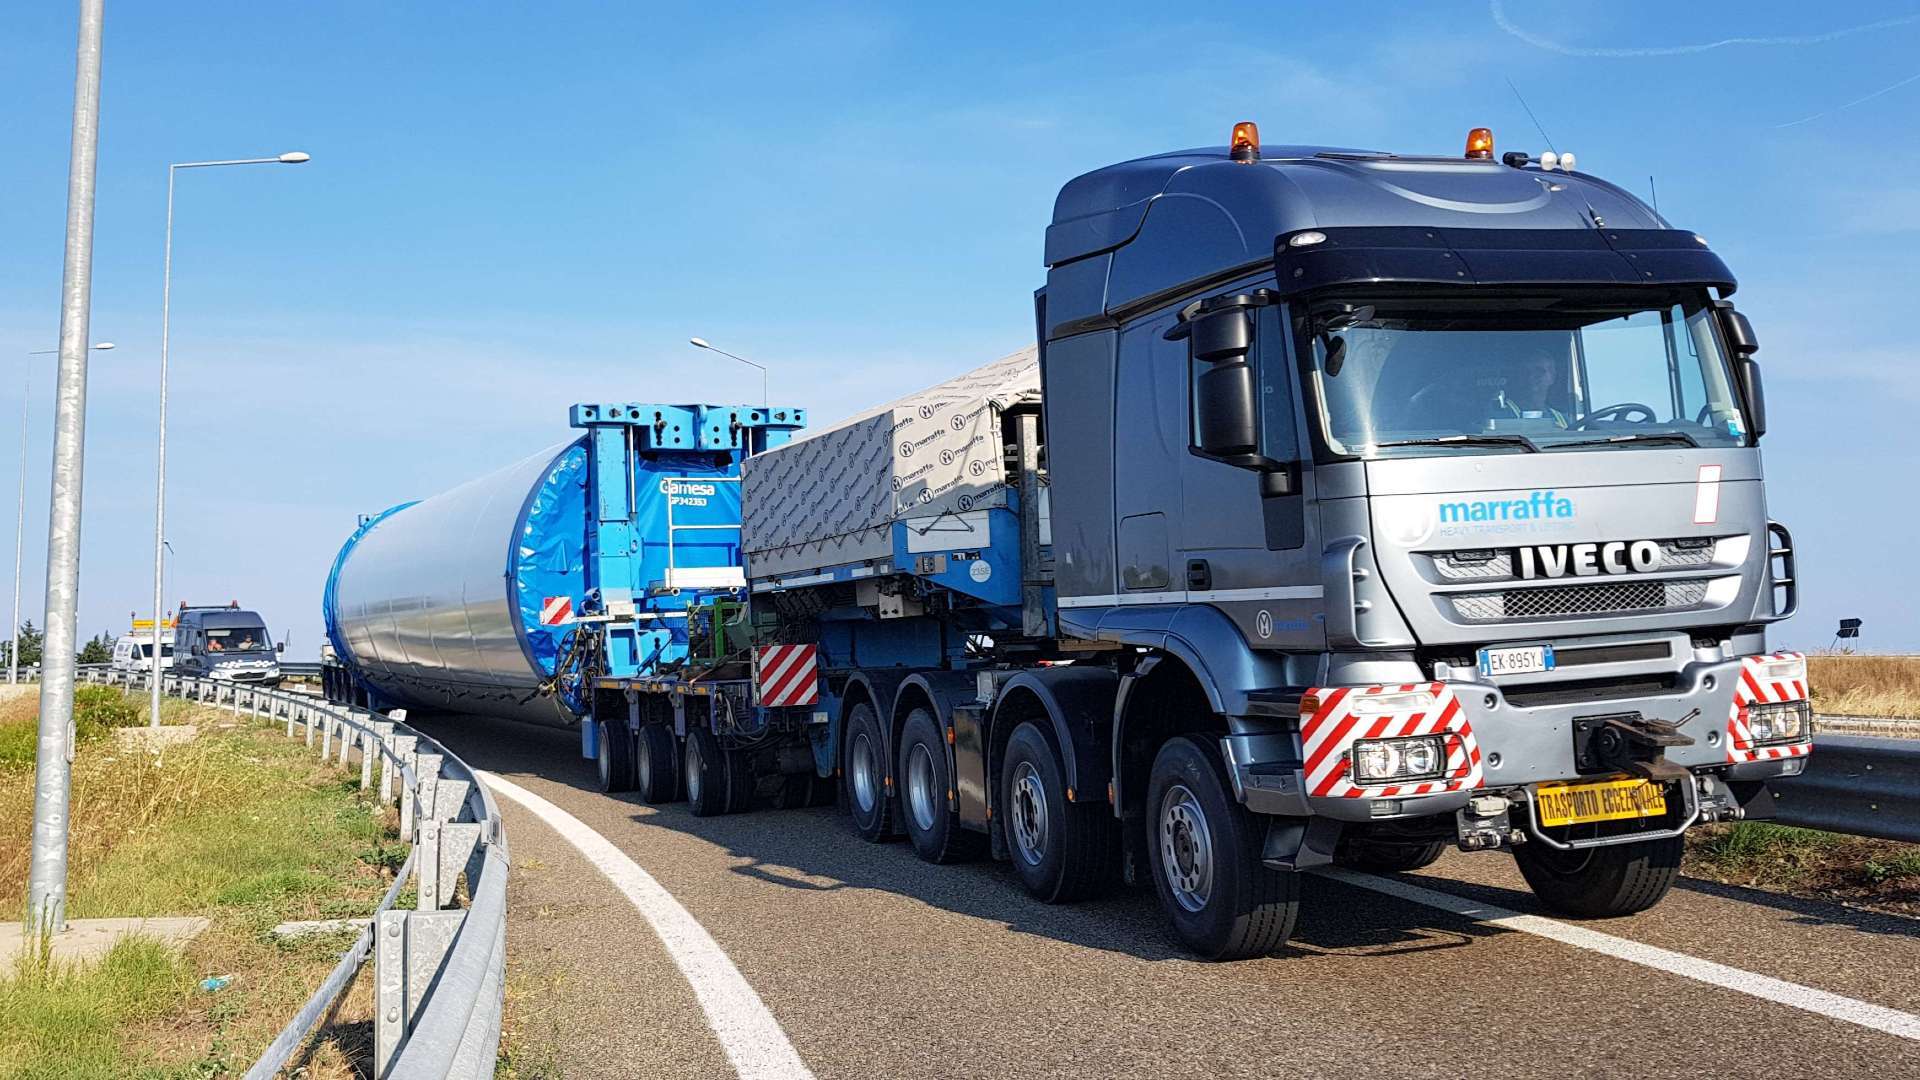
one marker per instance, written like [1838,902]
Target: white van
[134,652]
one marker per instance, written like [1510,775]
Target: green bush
[97,708]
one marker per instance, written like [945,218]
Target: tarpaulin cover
[549,557]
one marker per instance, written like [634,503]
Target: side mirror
[1226,406]
[1740,334]
[1753,394]
[280,646]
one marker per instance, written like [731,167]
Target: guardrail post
[326,736]
[383,735]
[347,733]
[390,1019]
[426,777]
[367,754]
[459,851]
[290,710]
[426,863]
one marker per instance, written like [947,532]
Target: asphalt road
[878,965]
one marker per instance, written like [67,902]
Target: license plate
[1518,660]
[1605,800]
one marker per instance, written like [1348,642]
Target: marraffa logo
[1537,504]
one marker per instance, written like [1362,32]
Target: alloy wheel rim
[920,786]
[1029,814]
[862,770]
[1186,848]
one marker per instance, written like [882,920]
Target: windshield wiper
[1650,436]
[1465,440]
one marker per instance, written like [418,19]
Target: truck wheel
[706,773]
[656,766]
[1061,850]
[924,783]
[742,785]
[1205,849]
[615,759]
[1598,883]
[1391,856]
[865,773]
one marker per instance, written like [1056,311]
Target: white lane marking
[748,1033]
[1877,1017]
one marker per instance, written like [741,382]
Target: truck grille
[1451,567]
[1559,601]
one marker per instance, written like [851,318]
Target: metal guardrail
[1858,784]
[439,970]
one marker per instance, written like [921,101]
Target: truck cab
[1435,484]
[225,642]
[133,651]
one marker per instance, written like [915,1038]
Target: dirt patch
[1854,871]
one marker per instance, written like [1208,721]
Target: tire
[656,766]
[1391,856]
[925,781]
[741,783]
[1601,883]
[864,776]
[705,770]
[614,762]
[1205,852]
[1062,851]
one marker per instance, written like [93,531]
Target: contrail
[1500,19]
[1850,104]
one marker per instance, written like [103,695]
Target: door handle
[1199,576]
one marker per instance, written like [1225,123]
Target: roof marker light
[1549,160]
[1480,144]
[1245,147]
[1566,161]
[1306,239]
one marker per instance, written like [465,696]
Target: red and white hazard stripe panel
[556,611]
[787,674]
[1328,732]
[1755,687]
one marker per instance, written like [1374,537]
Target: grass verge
[241,825]
[1834,867]
[1860,685]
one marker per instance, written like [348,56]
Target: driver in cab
[1529,390]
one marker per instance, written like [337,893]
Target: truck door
[1254,557]
[1078,376]
[1150,405]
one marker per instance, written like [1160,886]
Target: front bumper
[1497,747]
[270,676]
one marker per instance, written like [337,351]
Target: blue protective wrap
[547,558]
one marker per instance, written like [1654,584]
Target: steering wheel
[1631,412]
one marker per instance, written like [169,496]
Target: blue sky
[516,207]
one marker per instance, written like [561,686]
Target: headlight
[1793,669]
[1383,761]
[1780,721]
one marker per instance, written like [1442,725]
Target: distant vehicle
[133,650]
[224,642]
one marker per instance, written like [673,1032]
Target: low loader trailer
[1350,506]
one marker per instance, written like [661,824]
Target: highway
[816,953]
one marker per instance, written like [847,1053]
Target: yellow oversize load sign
[1605,800]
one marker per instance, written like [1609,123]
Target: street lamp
[701,343]
[160,480]
[20,516]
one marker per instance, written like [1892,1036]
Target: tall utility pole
[160,454]
[20,513]
[53,766]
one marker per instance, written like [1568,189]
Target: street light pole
[52,767]
[160,454]
[20,515]
[701,343]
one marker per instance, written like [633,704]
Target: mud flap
[1295,843]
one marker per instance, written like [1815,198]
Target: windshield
[237,639]
[1453,373]
[146,650]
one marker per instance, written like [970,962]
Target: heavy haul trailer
[1370,504]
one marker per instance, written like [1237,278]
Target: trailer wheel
[1205,849]
[706,773]
[614,762]
[656,766]
[924,786]
[1598,883]
[742,785]
[864,774]
[1390,856]
[1062,851]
